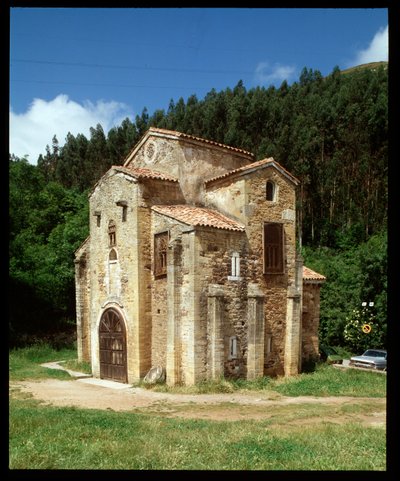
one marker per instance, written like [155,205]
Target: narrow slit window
[270,190]
[98,218]
[124,212]
[233,347]
[124,205]
[268,344]
[273,248]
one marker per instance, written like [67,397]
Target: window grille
[160,254]
[235,265]
[112,233]
[273,248]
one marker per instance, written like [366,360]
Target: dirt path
[95,394]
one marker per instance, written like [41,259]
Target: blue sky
[71,68]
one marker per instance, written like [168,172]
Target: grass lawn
[44,437]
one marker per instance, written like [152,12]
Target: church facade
[191,267]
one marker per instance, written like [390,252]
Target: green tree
[142,122]
[98,159]
[48,164]
[120,141]
[48,222]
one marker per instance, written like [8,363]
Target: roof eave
[313,281]
[235,175]
[181,136]
[197,225]
[143,177]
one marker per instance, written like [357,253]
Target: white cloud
[266,74]
[377,50]
[32,130]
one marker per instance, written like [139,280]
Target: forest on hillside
[330,132]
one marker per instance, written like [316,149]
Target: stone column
[292,359]
[82,312]
[79,308]
[299,306]
[194,344]
[174,268]
[215,308]
[255,335]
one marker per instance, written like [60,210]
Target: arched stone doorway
[112,341]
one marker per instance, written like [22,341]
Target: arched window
[270,190]
[112,239]
[112,255]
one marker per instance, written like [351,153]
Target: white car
[371,359]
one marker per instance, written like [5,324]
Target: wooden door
[112,338]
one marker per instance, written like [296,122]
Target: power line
[131,67]
[181,46]
[109,85]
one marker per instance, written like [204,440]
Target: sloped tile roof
[143,173]
[310,275]
[259,164]
[198,216]
[199,139]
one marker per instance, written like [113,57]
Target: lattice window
[273,248]
[160,254]
[235,265]
[112,231]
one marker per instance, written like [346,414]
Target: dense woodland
[330,132]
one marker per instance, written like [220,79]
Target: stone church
[191,267]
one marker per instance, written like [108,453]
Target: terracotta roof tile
[198,216]
[143,173]
[254,166]
[310,275]
[193,137]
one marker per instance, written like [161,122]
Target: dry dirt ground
[91,393]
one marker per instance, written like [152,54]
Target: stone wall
[218,289]
[215,312]
[124,283]
[310,321]
[190,161]
[82,290]
[159,290]
[245,199]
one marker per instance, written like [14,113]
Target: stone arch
[113,256]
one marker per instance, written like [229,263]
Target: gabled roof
[312,276]
[247,169]
[173,134]
[136,173]
[143,173]
[198,216]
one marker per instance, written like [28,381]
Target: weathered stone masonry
[197,260]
